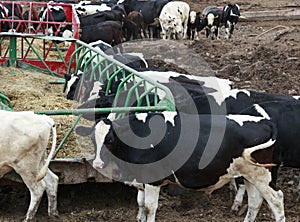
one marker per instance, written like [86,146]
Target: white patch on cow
[71,82]
[111,116]
[241,119]
[261,111]
[101,130]
[141,116]
[210,19]
[120,2]
[170,116]
[222,86]
[233,93]
[193,17]
[96,88]
[141,56]
[296,97]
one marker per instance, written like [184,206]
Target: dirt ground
[264,56]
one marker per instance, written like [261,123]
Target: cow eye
[174,24]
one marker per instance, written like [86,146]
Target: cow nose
[98,164]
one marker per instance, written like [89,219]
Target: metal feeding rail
[24,48]
[95,65]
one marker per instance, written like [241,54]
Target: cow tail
[44,169]
[248,151]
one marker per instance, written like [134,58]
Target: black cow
[93,19]
[152,150]
[108,31]
[284,114]
[150,11]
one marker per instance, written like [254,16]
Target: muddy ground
[264,56]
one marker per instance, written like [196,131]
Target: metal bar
[102,110]
[67,135]
[13,51]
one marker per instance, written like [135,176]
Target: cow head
[193,16]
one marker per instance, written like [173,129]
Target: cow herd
[259,133]
[117,21]
[216,134]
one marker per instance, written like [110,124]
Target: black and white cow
[10,12]
[215,17]
[230,16]
[149,151]
[212,18]
[88,8]
[285,115]
[194,25]
[50,14]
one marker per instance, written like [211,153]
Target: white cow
[24,137]
[174,19]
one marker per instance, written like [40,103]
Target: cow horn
[242,17]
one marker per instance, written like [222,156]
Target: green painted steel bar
[102,110]
[145,93]
[61,56]
[67,135]
[40,58]
[13,51]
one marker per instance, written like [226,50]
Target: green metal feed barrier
[97,66]
[5,103]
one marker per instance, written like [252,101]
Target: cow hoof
[54,218]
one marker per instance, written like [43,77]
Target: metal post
[13,51]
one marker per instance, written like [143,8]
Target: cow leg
[141,217]
[151,201]
[254,202]
[51,181]
[185,25]
[36,191]
[238,200]
[260,177]
[227,30]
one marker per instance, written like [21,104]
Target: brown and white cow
[24,137]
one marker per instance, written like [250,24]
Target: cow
[108,31]
[285,115]
[134,26]
[150,11]
[215,17]
[10,12]
[193,25]
[52,14]
[212,17]
[113,15]
[88,8]
[173,18]
[156,149]
[24,138]
[230,16]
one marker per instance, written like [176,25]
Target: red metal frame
[23,27]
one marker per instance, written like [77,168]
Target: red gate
[17,48]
